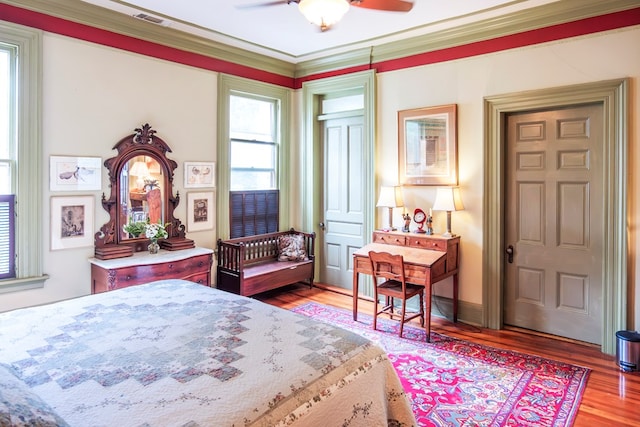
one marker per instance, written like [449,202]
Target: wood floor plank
[611,397]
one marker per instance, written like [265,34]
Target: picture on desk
[200,211]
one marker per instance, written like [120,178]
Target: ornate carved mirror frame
[134,202]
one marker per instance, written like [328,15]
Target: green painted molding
[555,13]
[98,17]
[311,154]
[226,86]
[613,95]
[30,244]
[469,313]
[533,18]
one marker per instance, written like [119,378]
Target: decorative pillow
[291,248]
[19,406]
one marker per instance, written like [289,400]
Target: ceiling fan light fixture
[323,13]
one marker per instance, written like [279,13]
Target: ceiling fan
[325,13]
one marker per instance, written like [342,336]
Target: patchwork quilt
[174,353]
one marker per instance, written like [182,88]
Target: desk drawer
[427,243]
[389,239]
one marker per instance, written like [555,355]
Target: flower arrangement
[156,231]
[153,232]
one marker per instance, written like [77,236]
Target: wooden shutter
[253,212]
[7,236]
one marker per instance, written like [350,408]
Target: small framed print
[71,222]
[200,211]
[75,173]
[199,174]
[428,146]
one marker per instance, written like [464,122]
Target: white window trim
[28,175]
[228,85]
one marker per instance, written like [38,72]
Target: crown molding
[106,19]
[556,13]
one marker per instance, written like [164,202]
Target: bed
[175,353]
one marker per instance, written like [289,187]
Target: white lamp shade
[448,199]
[323,13]
[139,169]
[390,197]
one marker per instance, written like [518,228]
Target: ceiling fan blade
[265,4]
[387,5]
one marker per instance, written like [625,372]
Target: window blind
[253,212]
[7,236]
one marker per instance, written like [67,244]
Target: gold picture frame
[428,146]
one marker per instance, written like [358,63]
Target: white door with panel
[343,199]
[554,222]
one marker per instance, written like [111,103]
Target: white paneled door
[343,199]
[554,222]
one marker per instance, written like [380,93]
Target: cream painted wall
[466,82]
[94,96]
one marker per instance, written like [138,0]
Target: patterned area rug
[452,382]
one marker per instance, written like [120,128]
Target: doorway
[314,175]
[613,96]
[553,222]
[342,197]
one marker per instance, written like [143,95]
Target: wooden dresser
[188,264]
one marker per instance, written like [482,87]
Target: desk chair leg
[455,298]
[375,309]
[421,296]
[404,312]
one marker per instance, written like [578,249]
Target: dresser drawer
[389,239]
[195,268]
[427,243]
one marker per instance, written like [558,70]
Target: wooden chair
[390,269]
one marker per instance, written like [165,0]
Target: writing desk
[427,259]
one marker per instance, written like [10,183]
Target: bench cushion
[291,248]
[260,268]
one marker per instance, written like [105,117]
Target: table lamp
[448,199]
[390,197]
[141,171]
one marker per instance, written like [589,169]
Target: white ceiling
[282,32]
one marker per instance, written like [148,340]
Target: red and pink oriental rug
[452,382]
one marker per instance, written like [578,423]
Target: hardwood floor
[611,397]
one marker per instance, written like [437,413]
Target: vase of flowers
[154,232]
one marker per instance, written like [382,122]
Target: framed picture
[200,211]
[428,146]
[199,174]
[75,173]
[71,222]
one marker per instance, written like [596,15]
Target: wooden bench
[250,265]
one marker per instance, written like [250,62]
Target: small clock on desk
[419,217]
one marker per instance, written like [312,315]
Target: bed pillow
[291,248]
[19,406]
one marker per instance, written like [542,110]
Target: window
[254,148]
[253,174]
[21,241]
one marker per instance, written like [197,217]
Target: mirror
[141,179]
[142,186]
